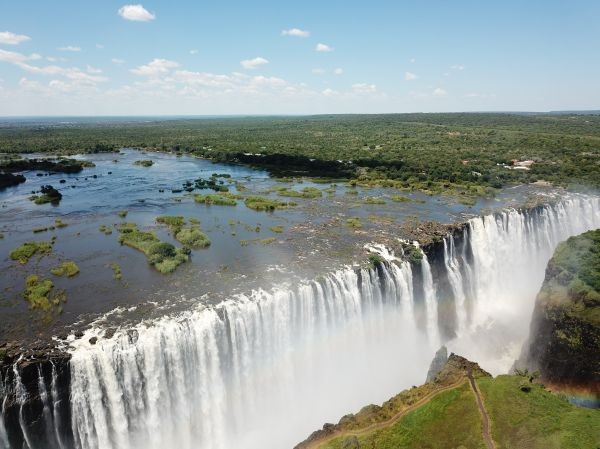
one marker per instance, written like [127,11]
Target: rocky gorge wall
[206,378]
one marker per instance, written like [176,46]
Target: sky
[198,57]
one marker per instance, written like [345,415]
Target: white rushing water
[264,370]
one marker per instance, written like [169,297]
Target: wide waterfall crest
[264,369]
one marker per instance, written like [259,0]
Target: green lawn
[449,421]
[538,419]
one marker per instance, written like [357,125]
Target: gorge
[251,371]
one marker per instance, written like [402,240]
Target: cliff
[564,343]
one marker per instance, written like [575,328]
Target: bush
[28,249]
[67,268]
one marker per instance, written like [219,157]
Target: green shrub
[193,237]
[28,249]
[67,268]
[260,203]
[144,163]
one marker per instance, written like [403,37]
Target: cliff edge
[564,342]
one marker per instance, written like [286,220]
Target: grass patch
[427,426]
[144,163]
[27,250]
[122,213]
[161,255]
[373,200]
[306,192]
[354,222]
[216,199]
[106,230]
[117,273]
[277,229]
[193,237]
[48,195]
[400,199]
[260,203]
[174,222]
[39,293]
[67,268]
[537,419]
[60,224]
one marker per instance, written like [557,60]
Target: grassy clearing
[537,419]
[27,250]
[449,421]
[67,268]
[260,203]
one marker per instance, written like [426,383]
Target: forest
[473,151]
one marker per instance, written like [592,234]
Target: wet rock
[437,364]
[78,334]
[93,340]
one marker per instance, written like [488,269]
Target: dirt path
[388,422]
[485,419]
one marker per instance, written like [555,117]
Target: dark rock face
[36,409]
[564,342]
[437,364]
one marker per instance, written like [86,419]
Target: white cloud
[73,73]
[330,92]
[193,52]
[409,76]
[93,70]
[323,48]
[17,58]
[99,46]
[250,64]
[70,48]
[155,67]
[6,37]
[136,13]
[363,88]
[439,92]
[296,32]
[117,61]
[318,71]
[204,79]
[457,67]
[338,71]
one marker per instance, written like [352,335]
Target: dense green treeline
[423,149]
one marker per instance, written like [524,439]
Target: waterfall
[266,368]
[244,373]
[3,435]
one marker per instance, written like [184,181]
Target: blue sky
[274,57]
